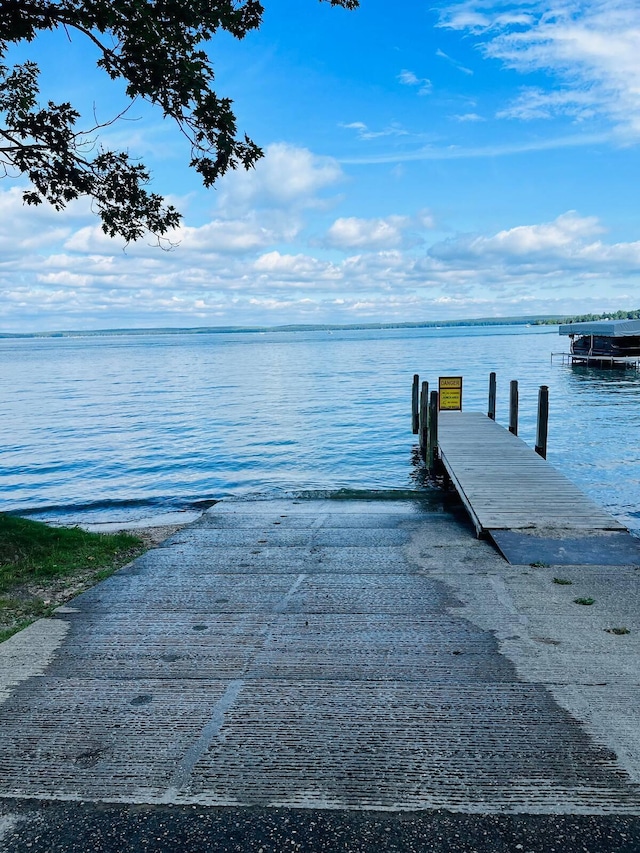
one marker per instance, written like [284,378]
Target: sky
[422,162]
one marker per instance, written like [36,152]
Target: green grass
[16,613]
[42,566]
[563,581]
[586,601]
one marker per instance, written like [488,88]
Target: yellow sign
[450,393]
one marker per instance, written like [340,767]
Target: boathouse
[604,343]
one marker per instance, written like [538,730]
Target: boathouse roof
[604,328]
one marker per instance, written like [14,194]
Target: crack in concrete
[211,731]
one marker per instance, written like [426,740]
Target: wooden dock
[505,485]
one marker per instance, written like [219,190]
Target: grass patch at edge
[41,567]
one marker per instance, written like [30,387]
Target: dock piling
[415,411]
[543,421]
[513,407]
[432,448]
[424,418]
[492,397]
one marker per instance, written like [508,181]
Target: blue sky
[422,163]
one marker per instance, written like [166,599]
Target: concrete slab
[553,641]
[319,671]
[182,561]
[613,549]
[278,537]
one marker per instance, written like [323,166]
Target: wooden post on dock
[492,397]
[513,407]
[415,410]
[432,448]
[424,418]
[543,421]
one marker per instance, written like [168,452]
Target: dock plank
[505,485]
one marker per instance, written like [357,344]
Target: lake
[119,427]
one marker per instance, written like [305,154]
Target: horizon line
[289,327]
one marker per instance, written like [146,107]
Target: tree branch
[157,52]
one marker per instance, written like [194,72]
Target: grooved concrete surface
[330,654]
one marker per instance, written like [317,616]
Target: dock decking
[505,485]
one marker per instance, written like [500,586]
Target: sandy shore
[155,535]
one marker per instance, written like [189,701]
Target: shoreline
[152,535]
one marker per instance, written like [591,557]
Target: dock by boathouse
[603,343]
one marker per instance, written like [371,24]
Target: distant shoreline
[325,327]
[532,320]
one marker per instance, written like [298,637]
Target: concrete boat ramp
[354,669]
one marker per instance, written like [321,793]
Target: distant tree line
[306,327]
[590,318]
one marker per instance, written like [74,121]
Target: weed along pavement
[327,675]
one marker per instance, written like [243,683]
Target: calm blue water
[107,427]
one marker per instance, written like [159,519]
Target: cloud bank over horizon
[261,265]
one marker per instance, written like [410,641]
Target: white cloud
[364,132]
[236,236]
[565,251]
[302,269]
[29,227]
[286,176]
[425,219]
[249,233]
[255,209]
[355,125]
[498,149]
[468,117]
[64,278]
[408,78]
[463,17]
[353,233]
[562,236]
[591,46]
[534,103]
[258,268]
[91,239]
[442,55]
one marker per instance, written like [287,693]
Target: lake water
[119,427]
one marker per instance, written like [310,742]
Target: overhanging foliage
[156,47]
